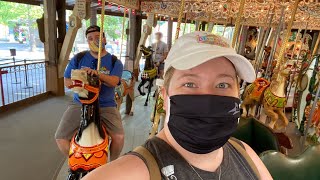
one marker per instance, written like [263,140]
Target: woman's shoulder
[127,167]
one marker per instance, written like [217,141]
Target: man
[201,93]
[160,53]
[110,74]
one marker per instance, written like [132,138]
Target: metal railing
[21,80]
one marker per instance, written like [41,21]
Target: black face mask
[203,123]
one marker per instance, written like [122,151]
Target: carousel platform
[28,146]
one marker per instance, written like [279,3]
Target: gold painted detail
[273,100]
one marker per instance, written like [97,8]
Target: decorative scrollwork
[256,12]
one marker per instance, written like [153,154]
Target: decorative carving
[256,12]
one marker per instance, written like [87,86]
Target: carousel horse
[125,88]
[305,87]
[251,43]
[271,95]
[314,129]
[89,145]
[149,73]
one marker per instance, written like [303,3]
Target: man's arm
[111,81]
[128,167]
[264,173]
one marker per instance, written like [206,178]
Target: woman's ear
[164,95]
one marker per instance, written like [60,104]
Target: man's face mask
[203,123]
[94,46]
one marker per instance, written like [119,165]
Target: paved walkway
[28,149]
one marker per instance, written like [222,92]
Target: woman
[201,93]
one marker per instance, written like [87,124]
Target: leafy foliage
[13,13]
[113,26]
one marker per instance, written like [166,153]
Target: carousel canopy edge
[256,13]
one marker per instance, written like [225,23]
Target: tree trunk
[32,44]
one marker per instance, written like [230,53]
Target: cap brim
[243,67]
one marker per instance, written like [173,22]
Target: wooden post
[169,38]
[134,36]
[131,50]
[93,18]
[203,26]
[237,23]
[53,83]
[61,23]
[81,11]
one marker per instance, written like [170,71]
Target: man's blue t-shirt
[106,98]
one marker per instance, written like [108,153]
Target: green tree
[13,14]
[113,26]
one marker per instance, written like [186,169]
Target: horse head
[279,79]
[146,51]
[88,88]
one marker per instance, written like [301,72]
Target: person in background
[110,74]
[201,93]
[160,53]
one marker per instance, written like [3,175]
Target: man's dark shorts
[70,121]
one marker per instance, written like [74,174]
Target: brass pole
[315,49]
[285,41]
[103,4]
[182,4]
[237,24]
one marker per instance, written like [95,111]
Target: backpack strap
[241,149]
[79,56]
[114,60]
[151,163]
[153,167]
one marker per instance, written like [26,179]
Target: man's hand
[111,81]
[91,71]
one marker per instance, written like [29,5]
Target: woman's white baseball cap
[195,48]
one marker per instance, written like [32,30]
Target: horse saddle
[304,166]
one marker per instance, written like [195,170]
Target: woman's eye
[223,85]
[189,85]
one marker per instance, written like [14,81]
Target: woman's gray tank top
[174,167]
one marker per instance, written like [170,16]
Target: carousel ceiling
[256,12]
